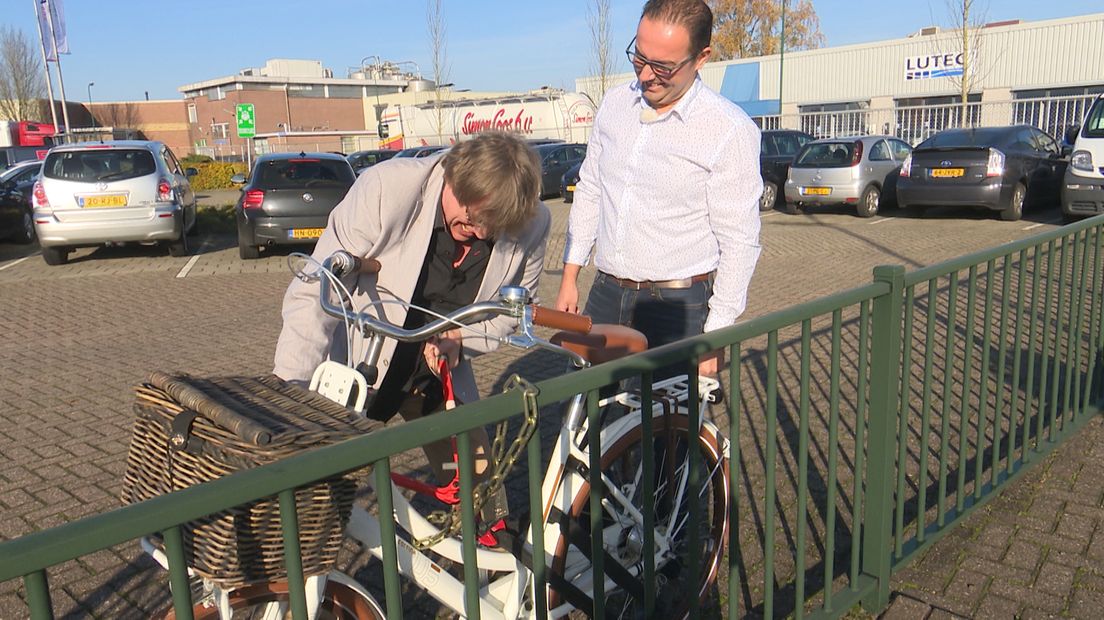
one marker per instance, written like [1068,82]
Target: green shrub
[216,175]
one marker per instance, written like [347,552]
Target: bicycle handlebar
[513,301]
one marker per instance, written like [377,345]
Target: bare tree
[22,89]
[744,28]
[436,23]
[967,18]
[601,61]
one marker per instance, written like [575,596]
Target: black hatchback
[998,168]
[288,199]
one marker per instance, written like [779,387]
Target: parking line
[17,261]
[192,261]
[1043,224]
[766,215]
[879,221]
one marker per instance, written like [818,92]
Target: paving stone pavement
[80,335]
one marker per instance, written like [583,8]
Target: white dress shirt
[672,196]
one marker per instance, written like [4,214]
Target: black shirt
[442,288]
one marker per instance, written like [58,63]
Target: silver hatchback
[853,171]
[112,192]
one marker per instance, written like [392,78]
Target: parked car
[568,182]
[288,199]
[93,193]
[16,207]
[998,168]
[777,149]
[853,171]
[420,151]
[366,159]
[1083,185]
[556,158]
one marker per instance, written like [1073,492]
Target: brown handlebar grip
[558,319]
[367,265]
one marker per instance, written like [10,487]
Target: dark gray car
[288,199]
[556,159]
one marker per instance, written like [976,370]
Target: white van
[1083,187]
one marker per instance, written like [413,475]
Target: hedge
[216,175]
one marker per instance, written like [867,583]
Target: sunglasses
[662,70]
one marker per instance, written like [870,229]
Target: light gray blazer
[389,215]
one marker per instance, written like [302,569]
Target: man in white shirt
[668,194]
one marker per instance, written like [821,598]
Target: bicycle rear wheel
[622,468]
[257,602]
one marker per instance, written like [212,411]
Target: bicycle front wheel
[270,602]
[622,471]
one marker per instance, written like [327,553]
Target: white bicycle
[507,585]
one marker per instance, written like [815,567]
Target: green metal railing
[863,426]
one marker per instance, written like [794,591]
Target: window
[220,130]
[192,114]
[99,165]
[1045,143]
[170,161]
[880,151]
[900,149]
[578,152]
[826,155]
[298,172]
[787,144]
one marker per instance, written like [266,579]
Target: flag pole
[48,8]
[46,66]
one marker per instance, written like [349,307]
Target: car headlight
[1081,160]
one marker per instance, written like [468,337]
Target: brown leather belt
[636,285]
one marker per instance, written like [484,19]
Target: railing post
[881,440]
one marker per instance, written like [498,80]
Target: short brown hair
[499,172]
[694,15]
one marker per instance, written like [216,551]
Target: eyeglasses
[662,70]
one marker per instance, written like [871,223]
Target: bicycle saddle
[604,343]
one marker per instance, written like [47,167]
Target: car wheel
[868,202]
[55,256]
[1013,211]
[769,196]
[194,230]
[248,252]
[26,232]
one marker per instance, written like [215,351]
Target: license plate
[96,202]
[816,191]
[570,188]
[947,173]
[305,233]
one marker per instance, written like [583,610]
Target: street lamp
[90,116]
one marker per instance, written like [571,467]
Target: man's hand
[447,345]
[568,298]
[712,363]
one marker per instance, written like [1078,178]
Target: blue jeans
[664,315]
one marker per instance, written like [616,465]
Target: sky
[129,48]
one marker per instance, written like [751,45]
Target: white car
[1083,185]
[112,192]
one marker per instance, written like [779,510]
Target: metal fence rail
[864,426]
[914,124]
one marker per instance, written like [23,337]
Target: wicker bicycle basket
[190,430]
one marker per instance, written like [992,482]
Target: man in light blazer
[447,231]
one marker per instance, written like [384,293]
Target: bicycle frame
[505,597]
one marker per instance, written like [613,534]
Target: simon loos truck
[540,115]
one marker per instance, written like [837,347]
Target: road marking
[879,221]
[1058,221]
[766,215]
[192,261]
[17,261]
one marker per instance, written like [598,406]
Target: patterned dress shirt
[671,196]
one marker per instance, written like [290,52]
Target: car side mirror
[1071,134]
[190,172]
[238,179]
